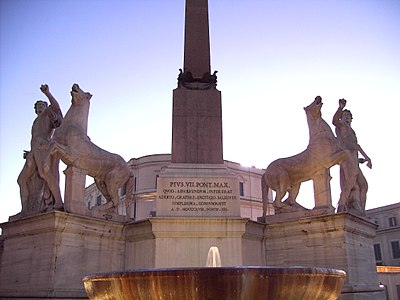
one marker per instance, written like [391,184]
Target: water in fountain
[213,257]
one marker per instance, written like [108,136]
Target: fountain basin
[272,283]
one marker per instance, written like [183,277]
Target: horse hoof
[278,204]
[58,206]
[342,208]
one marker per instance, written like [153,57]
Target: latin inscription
[198,196]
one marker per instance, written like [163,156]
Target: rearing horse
[286,174]
[72,145]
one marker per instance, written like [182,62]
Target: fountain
[213,257]
[271,283]
[216,282]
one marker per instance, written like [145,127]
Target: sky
[273,58]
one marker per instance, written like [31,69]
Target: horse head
[314,109]
[76,116]
[79,97]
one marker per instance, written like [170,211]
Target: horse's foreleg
[280,193]
[101,185]
[293,192]
[264,192]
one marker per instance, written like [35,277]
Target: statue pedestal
[342,241]
[47,255]
[197,190]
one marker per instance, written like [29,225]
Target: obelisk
[197,113]
[197,183]
[197,39]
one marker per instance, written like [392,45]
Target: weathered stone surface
[184,242]
[341,241]
[47,255]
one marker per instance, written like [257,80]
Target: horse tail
[130,202]
[264,193]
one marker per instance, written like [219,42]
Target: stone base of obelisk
[47,255]
[341,241]
[184,242]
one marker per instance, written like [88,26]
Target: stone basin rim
[269,270]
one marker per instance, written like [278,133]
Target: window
[392,222]
[378,253]
[241,188]
[123,190]
[395,249]
[98,200]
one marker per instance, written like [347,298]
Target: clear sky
[272,57]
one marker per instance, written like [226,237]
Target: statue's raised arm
[55,113]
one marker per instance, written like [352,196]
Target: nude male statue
[348,141]
[33,179]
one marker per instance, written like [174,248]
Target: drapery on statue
[348,140]
[323,151]
[71,144]
[38,187]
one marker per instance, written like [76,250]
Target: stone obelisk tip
[197,41]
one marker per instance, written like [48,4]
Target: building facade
[387,247]
[146,170]
[387,241]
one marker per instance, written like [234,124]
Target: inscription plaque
[198,196]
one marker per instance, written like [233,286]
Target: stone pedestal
[197,126]
[184,242]
[46,256]
[75,191]
[197,190]
[341,241]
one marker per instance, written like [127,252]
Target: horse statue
[285,175]
[71,144]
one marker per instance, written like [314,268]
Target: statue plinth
[342,241]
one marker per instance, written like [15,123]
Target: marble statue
[323,151]
[39,187]
[348,140]
[72,145]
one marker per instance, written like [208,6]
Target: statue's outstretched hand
[44,88]
[342,103]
